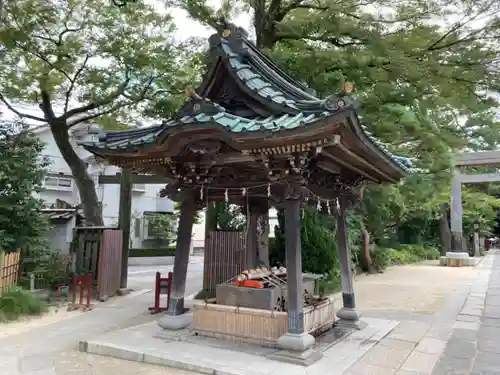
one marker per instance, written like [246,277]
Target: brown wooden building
[252,135]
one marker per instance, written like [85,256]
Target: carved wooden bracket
[206,147]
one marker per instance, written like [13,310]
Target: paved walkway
[463,338]
[474,344]
[37,351]
[449,324]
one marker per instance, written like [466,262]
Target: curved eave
[378,148]
[273,127]
[125,145]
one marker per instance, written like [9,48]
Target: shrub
[153,252]
[426,252]
[50,267]
[18,302]
[382,257]
[319,248]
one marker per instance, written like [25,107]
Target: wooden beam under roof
[136,179]
[359,159]
[349,166]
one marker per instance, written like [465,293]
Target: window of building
[58,182]
[137,229]
[139,187]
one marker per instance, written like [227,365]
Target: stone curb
[116,351]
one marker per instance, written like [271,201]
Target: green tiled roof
[255,71]
[124,139]
[266,82]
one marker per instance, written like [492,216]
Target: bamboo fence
[9,270]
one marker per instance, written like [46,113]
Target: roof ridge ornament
[232,36]
[344,98]
[229,30]
[196,105]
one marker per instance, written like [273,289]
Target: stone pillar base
[297,349]
[458,259]
[175,322]
[349,318]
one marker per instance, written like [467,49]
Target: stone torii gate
[467,159]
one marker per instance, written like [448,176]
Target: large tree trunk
[444,230]
[367,259]
[84,183]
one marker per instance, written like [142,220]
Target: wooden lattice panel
[9,270]
[224,255]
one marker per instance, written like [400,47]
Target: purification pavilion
[252,135]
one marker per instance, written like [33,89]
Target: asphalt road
[143,277]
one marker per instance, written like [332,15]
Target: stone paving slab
[474,345]
[139,344]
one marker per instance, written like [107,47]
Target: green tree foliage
[319,249]
[82,61]
[425,73]
[225,217]
[162,228]
[21,173]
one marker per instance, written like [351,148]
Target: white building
[59,184]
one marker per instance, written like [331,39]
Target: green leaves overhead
[426,72]
[85,61]
[88,58]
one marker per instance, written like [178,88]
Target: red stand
[163,285]
[84,283]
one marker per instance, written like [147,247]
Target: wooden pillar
[257,233]
[187,215]
[251,253]
[295,300]
[124,217]
[456,214]
[297,343]
[348,313]
[263,237]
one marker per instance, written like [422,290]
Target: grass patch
[18,302]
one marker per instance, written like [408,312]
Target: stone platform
[453,259]
[148,343]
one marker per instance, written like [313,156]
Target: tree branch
[143,92]
[35,52]
[322,38]
[99,114]
[46,106]
[72,83]
[99,103]
[20,114]
[132,101]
